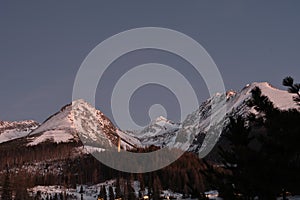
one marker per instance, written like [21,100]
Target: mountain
[52,153]
[17,129]
[76,121]
[81,121]
[160,132]
[237,104]
[198,122]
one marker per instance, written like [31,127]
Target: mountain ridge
[10,130]
[64,125]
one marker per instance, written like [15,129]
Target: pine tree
[111,193]
[6,187]
[61,196]
[279,146]
[238,159]
[130,191]
[38,196]
[103,193]
[81,192]
[156,188]
[292,88]
[55,197]
[263,155]
[118,188]
[22,194]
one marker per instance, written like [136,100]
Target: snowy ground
[91,192]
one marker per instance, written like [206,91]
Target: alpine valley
[52,159]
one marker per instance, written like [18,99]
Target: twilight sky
[43,43]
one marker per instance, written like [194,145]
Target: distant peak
[24,122]
[161,118]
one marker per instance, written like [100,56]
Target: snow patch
[56,136]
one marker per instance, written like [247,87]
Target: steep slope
[73,122]
[163,132]
[17,129]
[236,104]
[160,132]
[79,121]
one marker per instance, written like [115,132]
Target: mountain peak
[281,99]
[160,119]
[74,120]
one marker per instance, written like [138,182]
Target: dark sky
[43,43]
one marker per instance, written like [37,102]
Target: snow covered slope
[81,121]
[236,104]
[280,98]
[75,121]
[17,129]
[162,132]
[128,140]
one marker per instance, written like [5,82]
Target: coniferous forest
[263,157]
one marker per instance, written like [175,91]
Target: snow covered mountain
[79,121]
[55,147]
[236,105]
[17,129]
[162,132]
[73,122]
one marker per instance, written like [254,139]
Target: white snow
[81,120]
[17,129]
[56,136]
[236,104]
[12,134]
[125,136]
[163,132]
[91,192]
[78,119]
[90,149]
[160,132]
[280,98]
[212,194]
[61,120]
